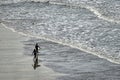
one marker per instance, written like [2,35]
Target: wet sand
[14,65]
[16,61]
[78,65]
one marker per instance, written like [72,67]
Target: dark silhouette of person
[37,47]
[35,53]
[35,59]
[35,65]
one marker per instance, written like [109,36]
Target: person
[37,47]
[35,59]
[35,53]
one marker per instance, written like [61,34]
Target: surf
[67,42]
[71,44]
[94,10]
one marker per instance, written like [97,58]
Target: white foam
[73,45]
[99,15]
[92,9]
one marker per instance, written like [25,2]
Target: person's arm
[39,47]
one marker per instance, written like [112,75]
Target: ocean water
[89,25]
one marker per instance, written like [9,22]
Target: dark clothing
[37,47]
[35,53]
[35,59]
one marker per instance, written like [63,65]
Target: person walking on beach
[37,47]
[35,53]
[35,59]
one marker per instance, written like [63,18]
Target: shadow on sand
[35,65]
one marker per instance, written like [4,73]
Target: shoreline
[78,65]
[61,62]
[95,53]
[14,64]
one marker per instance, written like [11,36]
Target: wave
[90,8]
[72,45]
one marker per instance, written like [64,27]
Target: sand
[14,65]
[58,62]
[78,65]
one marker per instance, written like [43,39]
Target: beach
[14,65]
[76,64]
[78,39]
[58,62]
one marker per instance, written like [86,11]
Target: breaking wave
[73,45]
[92,35]
[68,3]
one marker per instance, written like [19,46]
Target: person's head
[36,43]
[34,49]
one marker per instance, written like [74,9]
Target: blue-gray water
[90,25]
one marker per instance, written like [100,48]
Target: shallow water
[89,25]
[80,27]
[77,65]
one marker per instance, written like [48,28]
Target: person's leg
[37,50]
[37,61]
